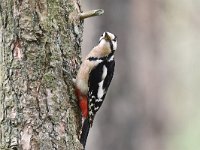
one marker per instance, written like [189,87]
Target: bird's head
[109,39]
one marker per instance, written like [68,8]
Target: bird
[93,80]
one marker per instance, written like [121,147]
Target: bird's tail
[85,132]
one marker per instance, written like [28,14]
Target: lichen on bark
[38,109]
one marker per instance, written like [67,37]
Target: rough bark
[38,109]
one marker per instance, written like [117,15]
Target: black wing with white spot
[99,81]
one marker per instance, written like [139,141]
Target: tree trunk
[38,109]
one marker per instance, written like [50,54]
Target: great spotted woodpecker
[93,80]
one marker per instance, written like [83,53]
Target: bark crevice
[39,109]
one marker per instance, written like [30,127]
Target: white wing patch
[96,108]
[100,89]
[99,100]
[105,71]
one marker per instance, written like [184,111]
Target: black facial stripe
[111,45]
[102,58]
[115,39]
[111,54]
[96,58]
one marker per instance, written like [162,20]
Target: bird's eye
[115,39]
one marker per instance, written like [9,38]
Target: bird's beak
[107,37]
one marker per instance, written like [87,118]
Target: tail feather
[85,132]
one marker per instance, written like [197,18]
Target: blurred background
[154,99]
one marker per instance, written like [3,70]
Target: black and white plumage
[93,79]
[99,81]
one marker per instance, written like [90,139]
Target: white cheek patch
[114,45]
